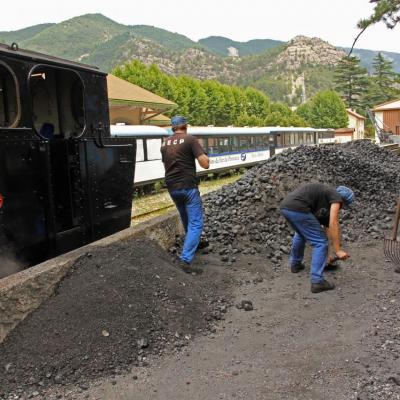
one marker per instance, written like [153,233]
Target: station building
[388,116]
[355,129]
[133,105]
[356,122]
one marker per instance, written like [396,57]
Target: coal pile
[118,305]
[244,217]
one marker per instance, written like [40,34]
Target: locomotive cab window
[9,101]
[57,102]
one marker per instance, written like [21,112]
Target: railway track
[150,206]
[152,212]
[392,147]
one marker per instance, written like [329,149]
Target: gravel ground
[127,324]
[293,345]
[117,305]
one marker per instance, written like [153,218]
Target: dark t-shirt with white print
[179,153]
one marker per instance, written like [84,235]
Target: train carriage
[227,147]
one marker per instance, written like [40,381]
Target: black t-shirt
[179,153]
[314,198]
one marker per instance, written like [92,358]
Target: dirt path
[293,345]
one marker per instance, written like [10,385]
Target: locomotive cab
[64,181]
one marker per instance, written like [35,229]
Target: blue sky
[334,21]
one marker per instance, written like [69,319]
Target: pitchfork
[392,246]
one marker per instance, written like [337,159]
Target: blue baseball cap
[346,194]
[178,120]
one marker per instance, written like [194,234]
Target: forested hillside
[288,72]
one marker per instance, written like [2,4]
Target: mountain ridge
[33,37]
[285,71]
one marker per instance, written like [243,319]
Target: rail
[392,147]
[151,212]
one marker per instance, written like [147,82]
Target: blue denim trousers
[188,202]
[308,229]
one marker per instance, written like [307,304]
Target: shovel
[392,245]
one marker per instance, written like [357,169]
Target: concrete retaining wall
[24,291]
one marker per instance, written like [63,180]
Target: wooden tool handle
[396,221]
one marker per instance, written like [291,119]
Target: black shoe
[297,267]
[332,266]
[189,268]
[321,286]
[203,243]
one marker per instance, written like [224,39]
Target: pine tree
[383,82]
[351,81]
[387,11]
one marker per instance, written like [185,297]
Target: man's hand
[342,255]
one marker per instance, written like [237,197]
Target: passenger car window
[223,145]
[212,146]
[139,150]
[57,102]
[153,149]
[234,143]
[9,98]
[243,143]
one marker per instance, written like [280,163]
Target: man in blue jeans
[308,209]
[179,154]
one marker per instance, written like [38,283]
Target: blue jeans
[308,229]
[188,202]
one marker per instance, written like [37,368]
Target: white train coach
[228,148]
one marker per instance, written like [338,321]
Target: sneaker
[321,286]
[297,267]
[189,268]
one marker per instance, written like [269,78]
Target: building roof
[159,120]
[388,105]
[121,92]
[354,114]
[344,131]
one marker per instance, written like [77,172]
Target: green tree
[325,110]
[382,85]
[249,120]
[240,100]
[257,103]
[351,81]
[387,11]
[216,101]
[227,116]
[196,100]
[304,112]
[210,102]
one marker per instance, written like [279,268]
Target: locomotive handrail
[101,144]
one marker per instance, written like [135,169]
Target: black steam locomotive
[64,182]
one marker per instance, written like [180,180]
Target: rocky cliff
[303,50]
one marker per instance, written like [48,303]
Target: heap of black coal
[244,217]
